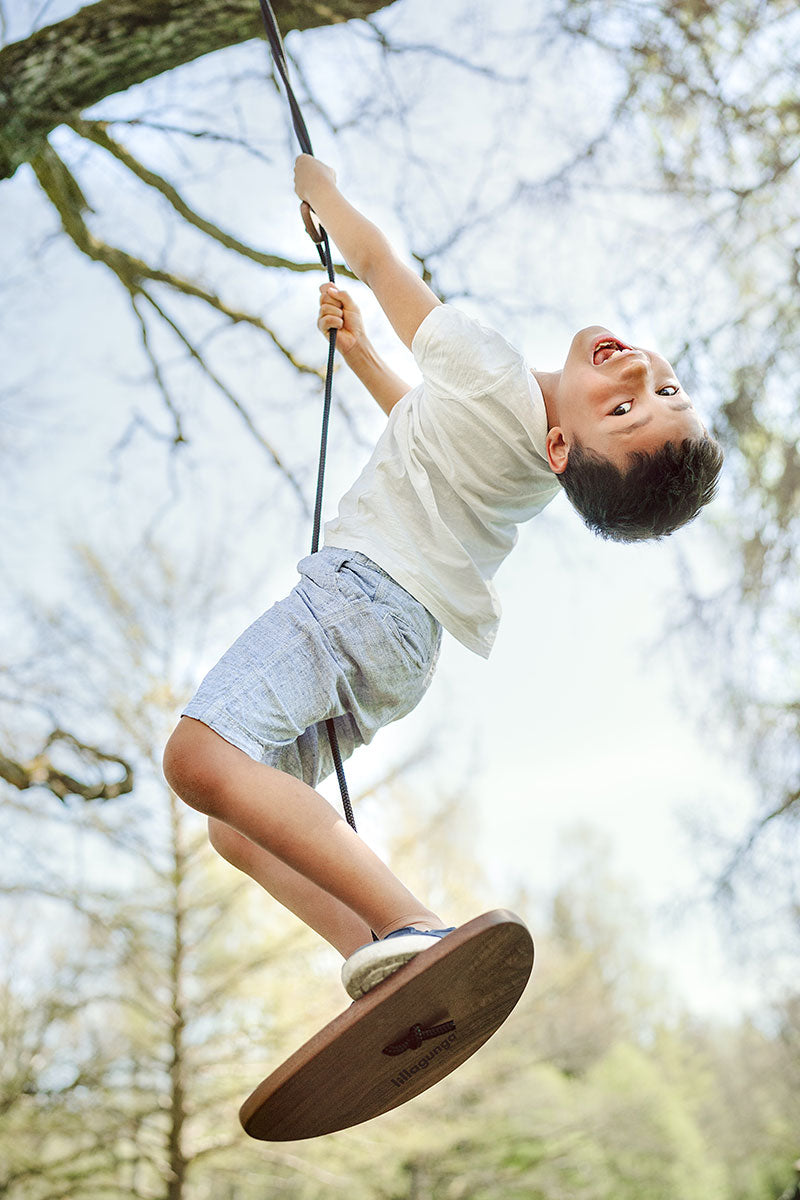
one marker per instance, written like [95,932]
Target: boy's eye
[623,409]
[671,389]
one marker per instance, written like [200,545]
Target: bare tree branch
[64,192]
[158,376]
[723,884]
[229,395]
[40,771]
[107,47]
[62,189]
[97,132]
[207,135]
[394,47]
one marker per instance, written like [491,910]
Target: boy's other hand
[338,310]
[309,174]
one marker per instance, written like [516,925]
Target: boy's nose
[636,363]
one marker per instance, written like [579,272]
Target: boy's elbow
[374,256]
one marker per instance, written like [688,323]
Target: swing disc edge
[340,1078]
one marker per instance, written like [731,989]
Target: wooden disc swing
[402,1037]
[432,1014]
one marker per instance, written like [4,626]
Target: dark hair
[652,497]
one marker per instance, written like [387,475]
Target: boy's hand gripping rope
[320,237]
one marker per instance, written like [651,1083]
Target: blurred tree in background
[159,986]
[157,982]
[712,97]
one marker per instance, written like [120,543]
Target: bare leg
[334,921]
[296,826]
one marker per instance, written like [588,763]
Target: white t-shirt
[459,466]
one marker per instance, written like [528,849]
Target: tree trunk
[107,47]
[176,1154]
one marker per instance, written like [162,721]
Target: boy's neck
[548,382]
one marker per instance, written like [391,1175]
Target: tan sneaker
[371,964]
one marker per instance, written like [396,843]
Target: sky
[587,714]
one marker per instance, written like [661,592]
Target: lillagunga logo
[424,1061]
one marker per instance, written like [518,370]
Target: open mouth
[606,349]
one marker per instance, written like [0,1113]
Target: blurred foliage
[145,988]
[706,132]
[160,1001]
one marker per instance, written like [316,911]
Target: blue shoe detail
[376,961]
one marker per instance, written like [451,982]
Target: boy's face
[615,399]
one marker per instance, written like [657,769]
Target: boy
[480,446]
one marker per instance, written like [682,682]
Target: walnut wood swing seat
[402,1037]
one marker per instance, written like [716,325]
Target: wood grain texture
[341,1077]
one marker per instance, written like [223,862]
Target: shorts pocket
[357,581]
[413,646]
[417,632]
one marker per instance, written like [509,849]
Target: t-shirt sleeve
[460,357]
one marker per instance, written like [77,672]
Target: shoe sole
[377,962]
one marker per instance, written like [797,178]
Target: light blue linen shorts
[348,642]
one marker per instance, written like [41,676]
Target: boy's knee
[191,767]
[226,841]
[216,835]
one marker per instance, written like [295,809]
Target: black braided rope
[324,250]
[416,1036]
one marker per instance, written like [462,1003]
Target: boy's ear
[557,450]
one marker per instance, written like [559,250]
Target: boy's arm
[338,310]
[402,295]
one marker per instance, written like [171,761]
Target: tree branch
[97,132]
[41,772]
[178,437]
[107,47]
[229,395]
[65,194]
[724,883]
[62,189]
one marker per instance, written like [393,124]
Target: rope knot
[417,1035]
